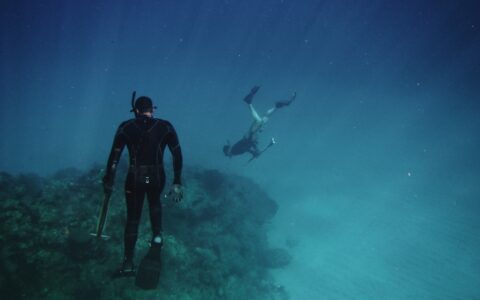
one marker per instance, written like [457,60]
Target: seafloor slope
[215,240]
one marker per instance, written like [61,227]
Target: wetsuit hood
[226,150]
[144,104]
[141,104]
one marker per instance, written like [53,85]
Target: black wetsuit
[246,144]
[146,139]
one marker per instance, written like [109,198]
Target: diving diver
[249,142]
[146,138]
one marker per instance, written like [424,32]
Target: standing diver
[249,142]
[146,139]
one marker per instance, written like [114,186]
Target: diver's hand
[176,192]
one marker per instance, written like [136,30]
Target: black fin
[148,272]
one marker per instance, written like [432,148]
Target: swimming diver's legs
[280,104]
[249,98]
[254,113]
[270,111]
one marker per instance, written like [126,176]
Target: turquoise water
[376,167]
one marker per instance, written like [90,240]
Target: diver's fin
[148,272]
[249,97]
[280,104]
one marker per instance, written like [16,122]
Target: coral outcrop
[215,244]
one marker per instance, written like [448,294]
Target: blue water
[376,167]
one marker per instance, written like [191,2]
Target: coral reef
[215,244]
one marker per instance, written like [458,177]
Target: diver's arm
[176,192]
[118,144]
[254,152]
[175,149]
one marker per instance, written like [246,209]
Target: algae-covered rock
[215,244]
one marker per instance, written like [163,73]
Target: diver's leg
[270,111]
[134,195]
[149,268]
[155,208]
[280,104]
[254,113]
[249,98]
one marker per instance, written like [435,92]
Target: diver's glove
[176,193]
[107,184]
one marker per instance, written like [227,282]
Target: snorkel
[133,103]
